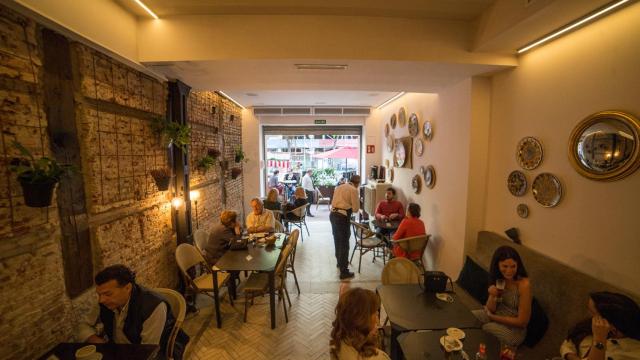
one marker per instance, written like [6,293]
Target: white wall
[595,226]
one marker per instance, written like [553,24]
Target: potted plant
[325,180]
[235,172]
[173,133]
[240,156]
[162,177]
[37,177]
[206,163]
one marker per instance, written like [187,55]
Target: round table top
[289,181]
[387,225]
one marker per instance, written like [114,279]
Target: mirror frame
[620,173]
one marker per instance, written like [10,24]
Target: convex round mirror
[605,146]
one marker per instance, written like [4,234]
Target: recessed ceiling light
[321,66]
[251,94]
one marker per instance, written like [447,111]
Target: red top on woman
[409,227]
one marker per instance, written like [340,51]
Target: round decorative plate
[427,130]
[386,163]
[414,124]
[393,121]
[418,147]
[390,142]
[422,170]
[517,183]
[416,184]
[386,129]
[430,177]
[547,189]
[523,211]
[400,154]
[402,117]
[391,175]
[529,153]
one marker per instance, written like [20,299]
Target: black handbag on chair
[436,281]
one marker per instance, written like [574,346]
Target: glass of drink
[500,285]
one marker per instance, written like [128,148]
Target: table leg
[232,284]
[216,298]
[272,298]
[396,352]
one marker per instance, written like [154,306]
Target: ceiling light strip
[142,5]
[230,98]
[321,66]
[571,26]
[395,97]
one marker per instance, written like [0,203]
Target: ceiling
[310,97]
[416,9]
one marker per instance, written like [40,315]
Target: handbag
[436,281]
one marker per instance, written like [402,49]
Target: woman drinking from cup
[507,311]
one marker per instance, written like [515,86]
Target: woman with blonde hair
[355,329]
[300,199]
[272,202]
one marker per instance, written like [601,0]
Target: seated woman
[410,226]
[612,332]
[300,199]
[355,329]
[220,236]
[507,311]
[272,202]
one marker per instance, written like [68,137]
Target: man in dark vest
[130,314]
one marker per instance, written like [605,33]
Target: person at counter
[260,219]
[389,208]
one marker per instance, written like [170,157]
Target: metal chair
[258,284]
[415,244]
[293,241]
[366,240]
[279,228]
[299,219]
[188,257]
[200,238]
[178,309]
[322,199]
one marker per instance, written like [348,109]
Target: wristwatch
[599,345]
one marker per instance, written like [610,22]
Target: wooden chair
[188,257]
[178,310]
[399,271]
[293,241]
[321,199]
[300,219]
[200,238]
[366,240]
[417,244]
[258,284]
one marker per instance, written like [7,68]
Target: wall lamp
[194,195]
[572,26]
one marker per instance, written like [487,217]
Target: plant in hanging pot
[162,177]
[214,153]
[173,133]
[206,163]
[240,156]
[37,177]
[235,172]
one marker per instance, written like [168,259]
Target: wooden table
[263,259]
[426,345]
[67,351]
[409,308]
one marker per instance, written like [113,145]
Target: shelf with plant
[173,133]
[206,163]
[240,155]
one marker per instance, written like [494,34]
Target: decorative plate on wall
[430,177]
[386,129]
[393,121]
[416,184]
[386,163]
[414,124]
[400,154]
[427,130]
[547,189]
[402,117]
[422,169]
[418,147]
[523,211]
[529,153]
[390,142]
[517,183]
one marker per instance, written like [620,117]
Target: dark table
[67,351]
[386,228]
[409,308]
[263,259]
[426,345]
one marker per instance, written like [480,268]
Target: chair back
[361,231]
[279,228]
[414,243]
[300,211]
[187,256]
[400,271]
[282,262]
[200,238]
[178,309]
[293,241]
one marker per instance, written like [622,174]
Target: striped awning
[281,164]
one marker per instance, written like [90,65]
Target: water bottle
[482,352]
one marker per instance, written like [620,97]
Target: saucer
[456,333]
[449,348]
[444,297]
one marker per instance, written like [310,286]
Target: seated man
[221,235]
[389,209]
[129,313]
[260,219]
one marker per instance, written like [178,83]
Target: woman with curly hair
[355,329]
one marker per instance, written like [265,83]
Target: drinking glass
[500,285]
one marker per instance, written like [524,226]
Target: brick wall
[129,219]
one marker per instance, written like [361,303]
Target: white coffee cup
[450,341]
[86,352]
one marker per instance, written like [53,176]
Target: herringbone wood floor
[306,335]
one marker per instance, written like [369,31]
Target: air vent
[296,111]
[327,111]
[356,111]
[267,111]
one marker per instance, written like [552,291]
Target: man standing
[346,201]
[309,189]
[274,182]
[129,314]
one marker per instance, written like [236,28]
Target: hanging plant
[206,163]
[37,177]
[239,157]
[235,172]
[162,177]
[173,133]
[214,153]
